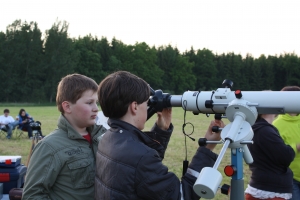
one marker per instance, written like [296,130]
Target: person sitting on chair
[7,123]
[24,121]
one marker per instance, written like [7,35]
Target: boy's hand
[212,136]
[164,118]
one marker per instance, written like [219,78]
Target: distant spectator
[24,121]
[7,123]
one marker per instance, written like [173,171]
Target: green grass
[175,153]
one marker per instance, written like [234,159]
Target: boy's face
[85,110]
[142,115]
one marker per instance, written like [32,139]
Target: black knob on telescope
[225,189]
[202,142]
[215,129]
[227,83]
[218,116]
[209,104]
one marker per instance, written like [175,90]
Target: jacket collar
[64,124]
[117,125]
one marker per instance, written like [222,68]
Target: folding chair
[3,133]
[20,132]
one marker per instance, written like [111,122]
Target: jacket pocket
[82,173]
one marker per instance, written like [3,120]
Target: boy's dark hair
[120,89]
[6,111]
[71,88]
[291,88]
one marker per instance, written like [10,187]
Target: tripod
[35,139]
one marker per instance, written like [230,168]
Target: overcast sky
[267,27]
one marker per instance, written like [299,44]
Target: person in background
[28,124]
[24,121]
[271,177]
[62,165]
[289,128]
[7,123]
[129,161]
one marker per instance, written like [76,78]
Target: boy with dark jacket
[129,161]
[62,165]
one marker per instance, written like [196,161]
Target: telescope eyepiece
[158,101]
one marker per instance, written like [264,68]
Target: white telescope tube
[266,102]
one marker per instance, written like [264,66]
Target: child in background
[62,165]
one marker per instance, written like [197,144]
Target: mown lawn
[175,153]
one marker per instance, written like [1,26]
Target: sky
[269,27]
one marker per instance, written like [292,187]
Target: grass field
[175,153]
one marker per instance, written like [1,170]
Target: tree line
[32,64]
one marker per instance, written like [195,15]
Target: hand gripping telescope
[241,109]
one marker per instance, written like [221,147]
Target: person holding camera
[129,161]
[24,122]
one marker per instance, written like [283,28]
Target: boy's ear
[133,107]
[66,106]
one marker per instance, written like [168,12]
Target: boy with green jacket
[62,165]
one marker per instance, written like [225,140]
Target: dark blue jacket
[21,125]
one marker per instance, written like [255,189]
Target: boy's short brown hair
[71,88]
[120,89]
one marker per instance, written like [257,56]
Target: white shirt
[102,120]
[261,194]
[6,120]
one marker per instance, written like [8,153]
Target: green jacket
[289,129]
[62,165]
